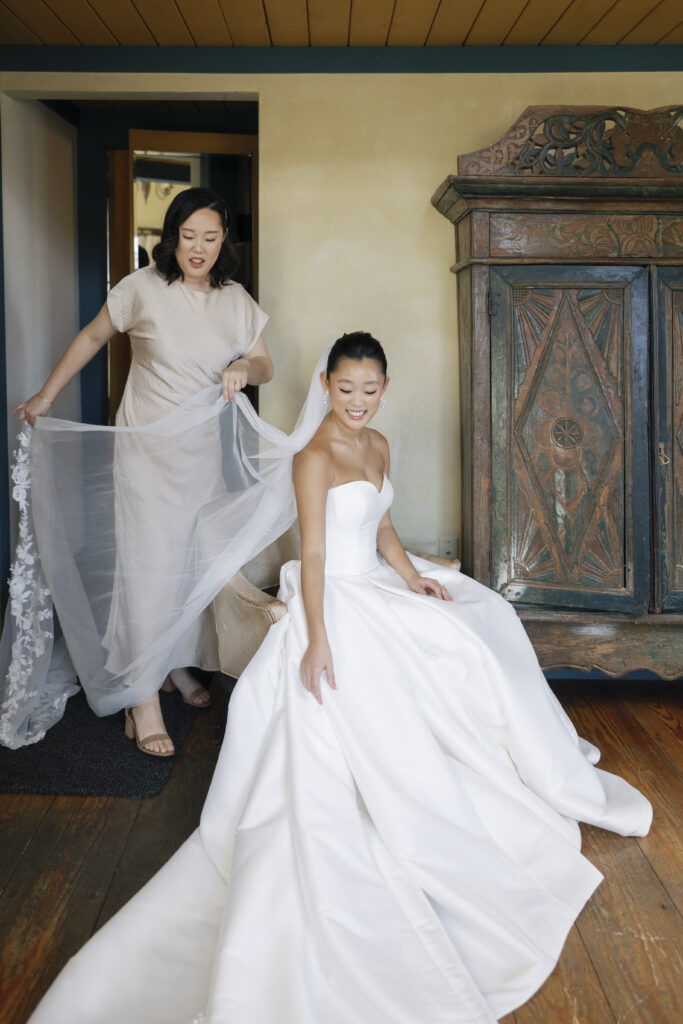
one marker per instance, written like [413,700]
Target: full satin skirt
[408,853]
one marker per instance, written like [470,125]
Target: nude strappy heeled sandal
[131,733]
[168,686]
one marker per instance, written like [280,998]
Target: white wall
[39,220]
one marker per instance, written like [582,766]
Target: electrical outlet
[448,547]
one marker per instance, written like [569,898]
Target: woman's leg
[149,723]
[189,686]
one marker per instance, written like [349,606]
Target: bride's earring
[382,402]
[325,399]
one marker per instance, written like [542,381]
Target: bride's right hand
[32,408]
[316,660]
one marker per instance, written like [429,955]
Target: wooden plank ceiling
[340,22]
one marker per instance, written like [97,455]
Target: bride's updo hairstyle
[357,345]
[183,206]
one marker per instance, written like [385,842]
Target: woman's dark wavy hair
[183,206]
[357,345]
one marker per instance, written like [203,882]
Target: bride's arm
[311,475]
[393,552]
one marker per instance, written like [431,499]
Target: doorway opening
[132,158]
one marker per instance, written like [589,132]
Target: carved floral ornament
[587,142]
[605,235]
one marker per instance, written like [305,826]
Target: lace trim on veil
[28,622]
[133,532]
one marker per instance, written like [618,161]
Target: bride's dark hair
[183,206]
[357,345]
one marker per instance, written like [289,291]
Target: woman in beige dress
[190,326]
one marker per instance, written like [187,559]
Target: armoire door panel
[668,436]
[570,520]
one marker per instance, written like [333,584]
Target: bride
[391,833]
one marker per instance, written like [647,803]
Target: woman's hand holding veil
[235,378]
[32,408]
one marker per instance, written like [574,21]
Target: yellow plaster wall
[348,238]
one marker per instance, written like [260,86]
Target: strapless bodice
[354,511]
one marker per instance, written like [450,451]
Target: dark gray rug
[83,755]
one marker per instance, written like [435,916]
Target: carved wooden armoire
[569,245]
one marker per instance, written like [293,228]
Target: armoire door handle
[664,459]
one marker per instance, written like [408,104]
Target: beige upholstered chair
[244,609]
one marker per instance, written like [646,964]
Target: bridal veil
[130,532]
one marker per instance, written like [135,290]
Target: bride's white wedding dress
[408,853]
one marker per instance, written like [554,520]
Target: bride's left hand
[428,587]
[235,378]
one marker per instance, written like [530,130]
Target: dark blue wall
[4,455]
[340,59]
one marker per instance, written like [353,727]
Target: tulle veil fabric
[131,532]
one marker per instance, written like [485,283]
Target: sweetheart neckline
[347,482]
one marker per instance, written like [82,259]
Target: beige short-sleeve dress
[181,340]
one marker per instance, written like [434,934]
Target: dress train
[408,852]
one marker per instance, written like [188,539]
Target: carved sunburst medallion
[566,433]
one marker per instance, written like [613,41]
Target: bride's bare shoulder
[315,460]
[379,443]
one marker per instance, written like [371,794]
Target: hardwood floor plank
[660,713]
[165,821]
[662,847]
[632,927]
[609,721]
[572,993]
[56,892]
[20,817]
[629,750]
[633,933]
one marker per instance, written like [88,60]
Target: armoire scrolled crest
[569,253]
